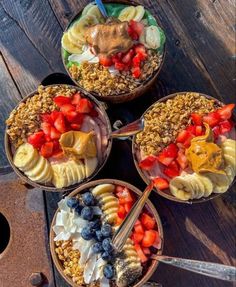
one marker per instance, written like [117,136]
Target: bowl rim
[154,263]
[120,97]
[7,144]
[146,180]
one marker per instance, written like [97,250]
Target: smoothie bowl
[187,147]
[81,232]
[57,138]
[116,59]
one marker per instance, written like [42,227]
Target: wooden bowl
[167,194]
[137,92]
[153,263]
[26,180]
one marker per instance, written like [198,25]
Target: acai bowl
[116,59]
[81,232]
[57,138]
[187,147]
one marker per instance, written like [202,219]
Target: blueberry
[72,202]
[99,236]
[108,271]
[107,245]
[106,256]
[106,230]
[97,247]
[79,208]
[88,199]
[87,233]
[87,213]
[96,224]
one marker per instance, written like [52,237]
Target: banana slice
[40,165]
[111,218]
[199,188]
[230,173]
[94,11]
[69,46]
[230,160]
[80,170]
[42,177]
[108,198]
[111,204]
[229,142]
[229,150]
[220,182]
[74,40]
[79,28]
[90,165]
[103,188]
[153,38]
[127,14]
[181,188]
[69,173]
[139,13]
[48,178]
[59,176]
[73,167]
[25,157]
[207,184]
[86,8]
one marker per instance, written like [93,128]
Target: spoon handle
[215,270]
[129,130]
[102,8]
[123,232]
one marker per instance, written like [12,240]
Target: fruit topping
[87,213]
[88,199]
[108,271]
[161,183]
[87,233]
[106,230]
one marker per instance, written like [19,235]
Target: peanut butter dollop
[109,38]
[204,155]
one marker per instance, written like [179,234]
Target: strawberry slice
[170,172]
[182,159]
[136,72]
[182,136]
[140,253]
[136,61]
[146,251]
[196,119]
[137,237]
[132,33]
[149,238]
[54,133]
[119,188]
[46,127]
[119,221]
[170,151]
[121,211]
[84,106]
[147,221]
[75,127]
[46,149]
[47,118]
[136,27]
[157,243]
[225,112]
[105,60]
[67,108]
[60,123]
[127,58]
[212,119]
[139,228]
[141,52]
[199,131]
[61,100]
[148,162]
[128,206]
[161,183]
[54,115]
[37,139]
[187,143]
[76,98]
[225,126]
[56,147]
[120,66]
[191,129]
[124,196]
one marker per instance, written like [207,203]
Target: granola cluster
[98,79]
[165,119]
[25,119]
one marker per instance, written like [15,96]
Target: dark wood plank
[30,41]
[9,96]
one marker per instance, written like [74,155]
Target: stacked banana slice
[191,186]
[151,37]
[132,13]
[128,266]
[107,200]
[36,167]
[74,39]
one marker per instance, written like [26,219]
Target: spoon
[129,130]
[102,8]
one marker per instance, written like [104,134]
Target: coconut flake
[86,56]
[104,282]
[62,205]
[89,268]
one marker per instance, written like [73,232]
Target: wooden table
[200,57]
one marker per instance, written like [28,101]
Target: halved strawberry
[105,60]
[47,118]
[164,159]
[137,27]
[132,33]
[119,221]
[182,136]
[148,162]
[127,58]
[136,61]
[46,149]
[170,151]
[121,211]
[84,106]
[197,119]
[187,143]
[146,251]
[212,119]
[182,160]
[137,237]
[124,196]
[225,126]
[54,115]
[161,183]
[60,124]
[128,206]
[147,221]
[141,52]
[120,66]
[67,108]
[225,112]
[140,253]
[76,98]
[139,228]
[37,139]
[54,133]
[149,238]
[170,172]
[46,127]
[61,100]
[191,129]
[136,72]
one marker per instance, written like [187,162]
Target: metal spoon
[129,130]
[102,8]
